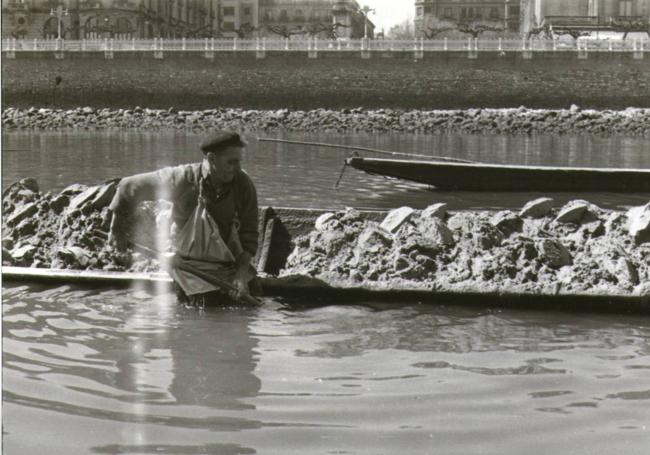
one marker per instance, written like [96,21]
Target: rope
[366,149]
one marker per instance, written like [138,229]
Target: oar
[365,149]
[177,262]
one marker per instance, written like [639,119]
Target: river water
[294,176]
[130,371]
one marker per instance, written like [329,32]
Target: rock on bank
[631,121]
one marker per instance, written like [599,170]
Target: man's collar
[205,169]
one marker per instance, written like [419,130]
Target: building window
[228,26]
[268,15]
[228,10]
[247,11]
[514,11]
[420,11]
[625,7]
[494,13]
[428,10]
[448,13]
[299,15]
[284,16]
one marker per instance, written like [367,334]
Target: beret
[219,140]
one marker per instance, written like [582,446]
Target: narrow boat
[312,291]
[496,177]
[278,230]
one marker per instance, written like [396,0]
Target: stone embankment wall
[291,80]
[542,249]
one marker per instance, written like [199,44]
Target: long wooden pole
[365,149]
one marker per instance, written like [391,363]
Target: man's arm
[248,232]
[150,186]
[248,216]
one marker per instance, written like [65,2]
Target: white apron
[199,244]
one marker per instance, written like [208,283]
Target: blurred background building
[524,16]
[433,14]
[586,15]
[126,19]
[119,19]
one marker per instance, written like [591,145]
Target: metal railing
[267,44]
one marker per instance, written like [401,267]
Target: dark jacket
[180,185]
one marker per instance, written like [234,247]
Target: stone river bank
[542,249]
[631,121]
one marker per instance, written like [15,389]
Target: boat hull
[278,229]
[309,291]
[481,177]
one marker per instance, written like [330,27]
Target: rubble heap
[67,230]
[578,249]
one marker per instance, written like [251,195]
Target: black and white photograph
[315,227]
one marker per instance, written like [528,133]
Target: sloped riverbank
[631,121]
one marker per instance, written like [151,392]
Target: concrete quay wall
[298,80]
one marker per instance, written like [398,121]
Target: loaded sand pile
[577,249]
[68,230]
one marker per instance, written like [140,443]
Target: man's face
[225,164]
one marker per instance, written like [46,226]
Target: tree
[332,30]
[572,32]
[284,31]
[202,32]
[245,30]
[628,25]
[543,31]
[477,28]
[402,31]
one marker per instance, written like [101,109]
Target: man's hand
[241,287]
[241,278]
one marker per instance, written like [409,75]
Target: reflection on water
[133,372]
[289,175]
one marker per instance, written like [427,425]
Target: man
[214,214]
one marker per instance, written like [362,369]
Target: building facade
[314,18]
[118,19]
[584,14]
[126,19]
[522,16]
[504,14]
